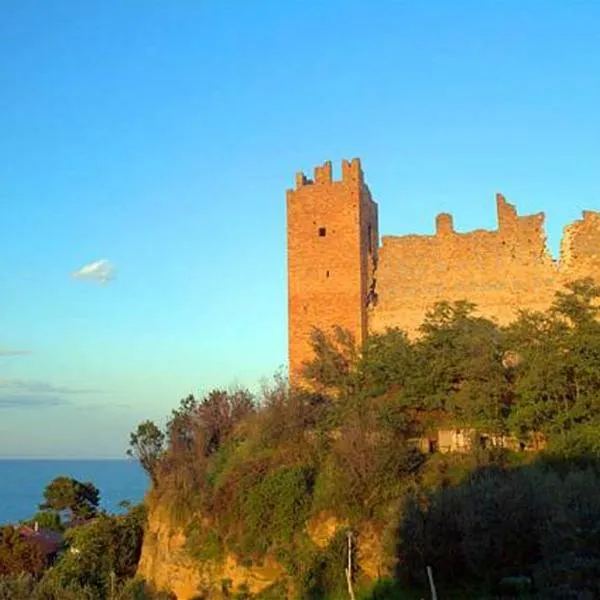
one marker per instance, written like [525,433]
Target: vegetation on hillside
[245,474]
[95,558]
[252,475]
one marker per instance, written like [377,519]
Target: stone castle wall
[500,271]
[346,278]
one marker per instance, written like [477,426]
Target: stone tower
[332,240]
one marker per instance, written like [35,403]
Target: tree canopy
[147,444]
[245,474]
[65,494]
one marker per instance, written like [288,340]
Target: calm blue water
[22,483]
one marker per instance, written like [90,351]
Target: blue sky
[161,136]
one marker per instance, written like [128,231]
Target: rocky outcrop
[369,539]
[165,564]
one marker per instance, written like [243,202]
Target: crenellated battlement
[339,273]
[352,171]
[589,216]
[507,213]
[509,221]
[323,174]
[302,180]
[444,224]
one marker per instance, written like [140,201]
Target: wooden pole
[112,585]
[431,583]
[349,568]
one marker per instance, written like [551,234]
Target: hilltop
[254,496]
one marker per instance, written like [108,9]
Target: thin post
[349,568]
[431,583]
[112,585]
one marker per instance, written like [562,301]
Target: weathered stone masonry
[332,243]
[339,275]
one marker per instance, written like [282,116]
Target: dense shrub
[325,576]
[17,587]
[18,555]
[101,556]
[245,473]
[501,522]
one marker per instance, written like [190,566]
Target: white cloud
[31,386]
[26,393]
[9,352]
[12,401]
[100,270]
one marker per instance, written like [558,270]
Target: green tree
[47,519]
[459,369]
[67,494]
[385,364]
[218,414]
[17,587]
[557,378]
[18,555]
[333,367]
[180,428]
[102,554]
[578,303]
[147,444]
[201,427]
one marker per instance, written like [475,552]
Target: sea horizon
[23,479]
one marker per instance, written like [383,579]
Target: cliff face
[162,562]
[371,555]
[165,564]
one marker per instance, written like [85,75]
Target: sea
[22,483]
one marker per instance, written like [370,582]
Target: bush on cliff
[101,555]
[18,555]
[501,523]
[246,473]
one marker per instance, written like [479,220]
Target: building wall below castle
[500,271]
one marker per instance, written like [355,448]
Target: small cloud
[101,271]
[25,394]
[11,401]
[39,387]
[9,352]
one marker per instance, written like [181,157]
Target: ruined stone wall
[338,274]
[500,271]
[580,248]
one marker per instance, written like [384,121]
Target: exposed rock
[165,564]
